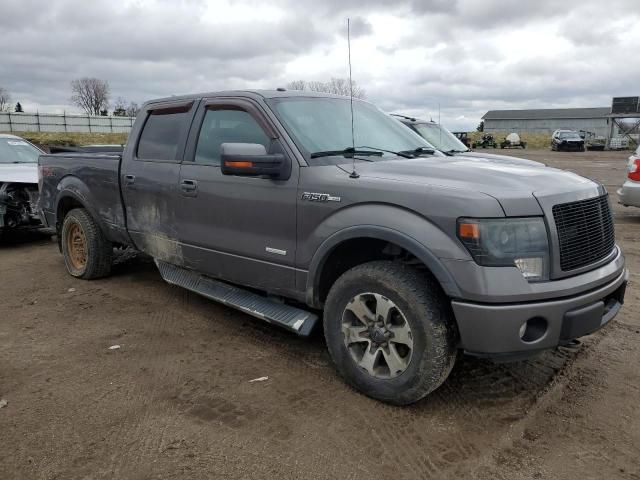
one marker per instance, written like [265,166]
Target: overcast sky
[470,56]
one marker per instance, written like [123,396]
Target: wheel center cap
[377,335]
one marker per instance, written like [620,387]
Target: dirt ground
[176,401]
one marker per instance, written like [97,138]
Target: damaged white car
[18,182]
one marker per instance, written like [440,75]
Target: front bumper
[571,146]
[494,330]
[629,194]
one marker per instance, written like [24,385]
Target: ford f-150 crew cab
[265,201]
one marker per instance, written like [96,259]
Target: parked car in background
[463,137]
[18,182]
[629,194]
[592,141]
[567,140]
[259,200]
[443,140]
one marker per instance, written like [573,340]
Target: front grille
[585,232]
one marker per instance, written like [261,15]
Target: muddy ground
[175,401]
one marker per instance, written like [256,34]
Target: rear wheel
[87,252]
[390,332]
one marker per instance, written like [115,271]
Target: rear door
[240,229]
[150,176]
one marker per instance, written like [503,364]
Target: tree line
[93,95]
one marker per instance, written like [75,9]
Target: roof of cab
[251,93]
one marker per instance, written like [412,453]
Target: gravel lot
[176,401]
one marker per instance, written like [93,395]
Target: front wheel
[87,252]
[390,332]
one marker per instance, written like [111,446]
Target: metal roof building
[547,120]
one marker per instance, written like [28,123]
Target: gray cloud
[421,53]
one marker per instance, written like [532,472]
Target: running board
[293,319]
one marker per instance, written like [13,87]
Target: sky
[411,56]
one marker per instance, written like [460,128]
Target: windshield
[440,137]
[320,124]
[571,135]
[16,150]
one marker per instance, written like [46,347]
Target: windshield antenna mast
[353,174]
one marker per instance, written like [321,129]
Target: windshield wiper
[400,154]
[348,152]
[417,152]
[453,151]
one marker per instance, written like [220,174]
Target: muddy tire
[87,252]
[390,331]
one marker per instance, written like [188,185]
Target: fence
[48,122]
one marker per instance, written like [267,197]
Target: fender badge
[320,197]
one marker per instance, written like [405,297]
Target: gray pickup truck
[267,202]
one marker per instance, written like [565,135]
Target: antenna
[439,124]
[353,174]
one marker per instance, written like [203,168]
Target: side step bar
[293,319]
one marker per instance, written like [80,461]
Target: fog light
[532,268]
[533,329]
[522,330]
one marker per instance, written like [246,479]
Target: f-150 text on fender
[410,254]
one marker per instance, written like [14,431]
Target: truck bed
[92,179]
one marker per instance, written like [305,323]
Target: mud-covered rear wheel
[87,252]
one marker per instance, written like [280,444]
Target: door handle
[189,186]
[130,179]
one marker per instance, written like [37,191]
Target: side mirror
[252,160]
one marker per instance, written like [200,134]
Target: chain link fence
[48,122]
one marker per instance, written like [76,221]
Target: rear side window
[163,132]
[227,126]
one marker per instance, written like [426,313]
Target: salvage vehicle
[463,137]
[566,140]
[18,182]
[513,140]
[486,141]
[629,193]
[593,142]
[444,141]
[269,202]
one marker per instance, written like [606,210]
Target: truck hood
[502,159]
[18,173]
[517,187]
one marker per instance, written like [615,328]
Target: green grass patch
[73,139]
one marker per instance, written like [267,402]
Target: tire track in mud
[146,428]
[474,390]
[180,397]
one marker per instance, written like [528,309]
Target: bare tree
[90,94]
[297,85]
[132,110]
[5,100]
[123,109]
[120,107]
[337,86]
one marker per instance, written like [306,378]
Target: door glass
[162,133]
[227,126]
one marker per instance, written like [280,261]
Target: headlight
[508,242]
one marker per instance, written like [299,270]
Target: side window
[162,133]
[227,126]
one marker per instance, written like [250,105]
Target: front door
[240,229]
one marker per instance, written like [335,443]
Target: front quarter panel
[420,218]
